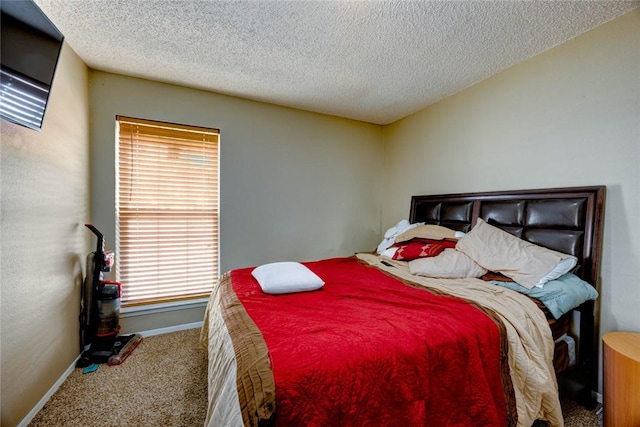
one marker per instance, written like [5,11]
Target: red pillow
[413,250]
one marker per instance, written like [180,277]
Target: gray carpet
[163,383]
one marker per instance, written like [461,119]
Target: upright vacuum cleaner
[100,312]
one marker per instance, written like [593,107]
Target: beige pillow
[428,231]
[450,264]
[526,263]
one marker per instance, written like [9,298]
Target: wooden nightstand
[621,358]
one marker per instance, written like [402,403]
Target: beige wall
[568,117]
[45,202]
[294,185]
[298,185]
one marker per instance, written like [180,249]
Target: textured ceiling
[375,61]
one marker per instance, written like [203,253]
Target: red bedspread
[368,349]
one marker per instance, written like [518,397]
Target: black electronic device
[29,53]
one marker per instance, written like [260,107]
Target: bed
[381,344]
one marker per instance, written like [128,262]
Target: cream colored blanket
[528,334]
[240,380]
[224,404]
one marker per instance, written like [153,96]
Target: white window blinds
[166,210]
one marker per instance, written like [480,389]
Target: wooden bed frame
[569,220]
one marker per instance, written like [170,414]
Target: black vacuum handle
[98,257]
[100,245]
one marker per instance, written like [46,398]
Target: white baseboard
[34,411]
[169,329]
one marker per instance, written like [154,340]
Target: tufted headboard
[568,220]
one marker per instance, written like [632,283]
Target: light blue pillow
[560,295]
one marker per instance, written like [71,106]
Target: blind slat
[167,210]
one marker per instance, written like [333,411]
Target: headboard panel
[569,220]
[452,214]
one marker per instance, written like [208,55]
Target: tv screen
[30,49]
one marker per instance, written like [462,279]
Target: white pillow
[561,268]
[389,253]
[286,277]
[528,264]
[450,264]
[391,233]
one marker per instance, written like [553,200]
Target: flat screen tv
[30,49]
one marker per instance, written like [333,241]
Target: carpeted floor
[163,383]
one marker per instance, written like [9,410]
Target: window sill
[164,307]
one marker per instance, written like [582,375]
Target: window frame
[181,155]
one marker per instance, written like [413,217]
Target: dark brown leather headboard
[569,220]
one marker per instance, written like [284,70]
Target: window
[166,210]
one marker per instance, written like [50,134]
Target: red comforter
[368,349]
